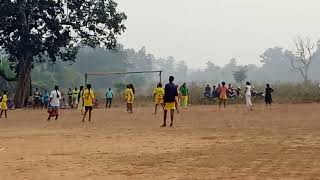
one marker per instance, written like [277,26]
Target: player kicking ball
[170,93]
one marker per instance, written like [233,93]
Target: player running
[158,94]
[170,93]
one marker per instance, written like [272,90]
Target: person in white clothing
[54,103]
[248,95]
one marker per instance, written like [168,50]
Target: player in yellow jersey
[129,95]
[158,94]
[4,107]
[88,98]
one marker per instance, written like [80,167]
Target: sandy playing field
[205,143]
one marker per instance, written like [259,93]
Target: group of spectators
[214,92]
[41,99]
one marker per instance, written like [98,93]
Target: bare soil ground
[205,143]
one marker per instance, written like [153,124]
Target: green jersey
[184,91]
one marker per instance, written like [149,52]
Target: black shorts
[88,108]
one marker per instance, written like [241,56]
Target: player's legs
[90,112]
[1,113]
[185,102]
[110,102]
[165,112]
[130,108]
[5,113]
[248,102]
[85,114]
[172,116]
[177,105]
[155,109]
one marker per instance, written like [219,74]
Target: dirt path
[206,143]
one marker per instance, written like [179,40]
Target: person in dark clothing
[268,95]
[207,91]
[170,94]
[214,92]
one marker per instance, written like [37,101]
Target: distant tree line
[276,67]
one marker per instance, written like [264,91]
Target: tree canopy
[36,31]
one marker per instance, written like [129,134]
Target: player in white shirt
[54,103]
[248,95]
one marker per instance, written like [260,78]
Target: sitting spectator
[207,91]
[215,92]
[11,104]
[95,103]
[230,91]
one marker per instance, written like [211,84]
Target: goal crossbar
[120,73]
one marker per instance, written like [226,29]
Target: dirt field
[205,143]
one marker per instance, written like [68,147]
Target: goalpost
[120,73]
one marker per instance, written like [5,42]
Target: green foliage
[33,32]
[5,70]
[119,87]
[240,75]
[54,29]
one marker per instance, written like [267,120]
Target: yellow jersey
[4,102]
[159,93]
[129,95]
[88,97]
[75,93]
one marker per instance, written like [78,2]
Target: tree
[35,31]
[240,75]
[210,67]
[5,72]
[303,57]
[181,70]
[7,76]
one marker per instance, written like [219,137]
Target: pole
[86,79]
[160,74]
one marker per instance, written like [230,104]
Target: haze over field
[217,30]
[203,41]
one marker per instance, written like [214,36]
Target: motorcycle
[258,94]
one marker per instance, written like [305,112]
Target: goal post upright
[120,73]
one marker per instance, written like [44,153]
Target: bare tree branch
[303,56]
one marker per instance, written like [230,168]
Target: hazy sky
[200,30]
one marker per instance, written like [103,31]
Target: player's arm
[154,96]
[50,99]
[131,95]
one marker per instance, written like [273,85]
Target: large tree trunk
[23,84]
